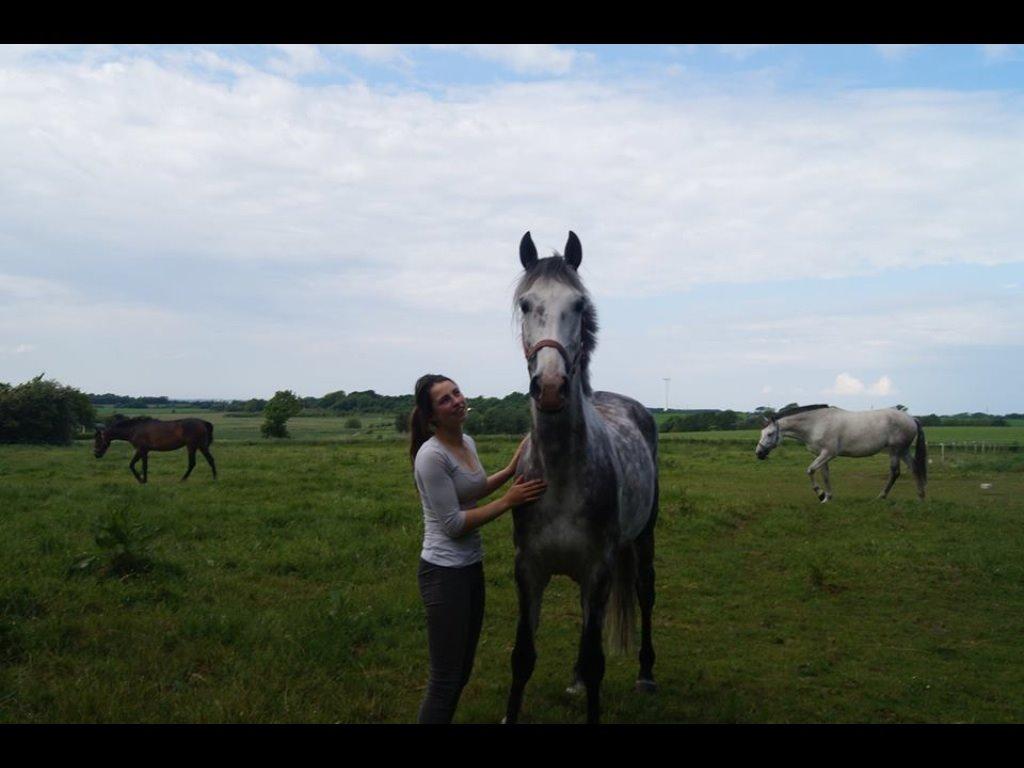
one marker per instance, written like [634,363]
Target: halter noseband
[570,365]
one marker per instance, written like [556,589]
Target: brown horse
[146,434]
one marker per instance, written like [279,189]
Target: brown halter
[570,364]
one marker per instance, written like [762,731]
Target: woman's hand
[524,491]
[511,468]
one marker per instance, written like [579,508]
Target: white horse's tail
[620,617]
[921,454]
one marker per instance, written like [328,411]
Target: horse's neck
[561,439]
[799,426]
[125,432]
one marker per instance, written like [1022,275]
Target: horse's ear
[767,421]
[573,250]
[527,252]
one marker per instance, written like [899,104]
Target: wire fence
[959,447]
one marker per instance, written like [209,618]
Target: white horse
[828,432]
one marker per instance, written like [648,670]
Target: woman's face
[449,404]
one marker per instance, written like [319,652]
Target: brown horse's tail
[620,618]
[209,433]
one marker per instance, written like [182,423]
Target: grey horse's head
[558,323]
[771,436]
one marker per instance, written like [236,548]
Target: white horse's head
[771,436]
[558,323]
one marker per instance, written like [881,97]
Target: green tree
[282,406]
[41,411]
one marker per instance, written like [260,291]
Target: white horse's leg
[823,458]
[826,481]
[894,472]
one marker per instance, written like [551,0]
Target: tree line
[46,411]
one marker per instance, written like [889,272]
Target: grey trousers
[454,600]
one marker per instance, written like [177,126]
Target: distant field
[235,427]
[286,591]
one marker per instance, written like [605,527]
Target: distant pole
[667,380]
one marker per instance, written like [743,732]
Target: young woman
[450,480]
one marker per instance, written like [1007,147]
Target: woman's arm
[502,476]
[521,492]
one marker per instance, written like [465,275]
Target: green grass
[286,591]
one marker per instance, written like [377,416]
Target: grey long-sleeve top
[447,489]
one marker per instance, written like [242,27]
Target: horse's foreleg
[823,458]
[894,472]
[191,464]
[826,481]
[138,455]
[645,596]
[530,587]
[145,466]
[209,459]
[597,589]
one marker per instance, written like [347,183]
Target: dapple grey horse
[598,452]
[828,432]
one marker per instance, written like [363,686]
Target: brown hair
[419,419]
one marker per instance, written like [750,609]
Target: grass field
[286,590]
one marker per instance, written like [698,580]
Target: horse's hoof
[576,689]
[504,720]
[646,686]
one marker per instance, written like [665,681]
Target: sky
[760,224]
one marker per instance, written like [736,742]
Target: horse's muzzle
[550,394]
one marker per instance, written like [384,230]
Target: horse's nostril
[535,387]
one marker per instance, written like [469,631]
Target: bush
[282,406]
[353,422]
[401,422]
[41,411]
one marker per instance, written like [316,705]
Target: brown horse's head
[101,442]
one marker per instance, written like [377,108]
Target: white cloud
[1003,52]
[898,51]
[142,158]
[525,59]
[846,385]
[416,201]
[378,54]
[16,349]
[743,52]
[883,386]
[293,60]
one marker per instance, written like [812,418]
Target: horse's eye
[524,306]
[578,306]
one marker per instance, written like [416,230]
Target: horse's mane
[800,409]
[556,268]
[123,421]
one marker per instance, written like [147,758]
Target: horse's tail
[620,618]
[921,454]
[209,433]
